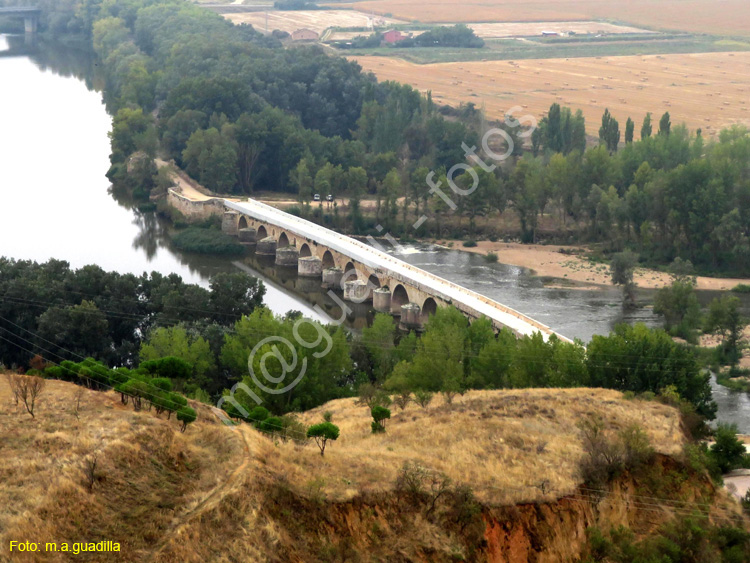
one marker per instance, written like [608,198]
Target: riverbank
[565,263]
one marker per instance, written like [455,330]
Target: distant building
[550,34]
[393,36]
[304,35]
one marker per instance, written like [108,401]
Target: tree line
[200,340]
[66,314]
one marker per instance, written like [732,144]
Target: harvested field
[728,17]
[707,90]
[317,20]
[497,30]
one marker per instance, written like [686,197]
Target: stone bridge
[363,273]
[30,16]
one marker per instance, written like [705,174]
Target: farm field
[317,20]
[728,17]
[498,30]
[492,30]
[708,90]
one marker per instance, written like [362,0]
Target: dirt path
[211,500]
[187,187]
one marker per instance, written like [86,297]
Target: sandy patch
[547,260]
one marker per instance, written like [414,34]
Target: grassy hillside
[502,443]
[214,494]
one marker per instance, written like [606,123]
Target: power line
[259,333]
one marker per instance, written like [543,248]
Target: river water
[56,202]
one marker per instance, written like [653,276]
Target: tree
[167,369]
[301,179]
[82,330]
[609,132]
[665,124]
[379,416]
[378,340]
[323,432]
[622,268]
[29,390]
[186,415]
[727,450]
[423,398]
[638,359]
[724,319]
[210,157]
[680,308]
[646,128]
[629,130]
[234,295]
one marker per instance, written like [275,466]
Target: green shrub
[272,425]
[207,241]
[379,415]
[163,383]
[490,257]
[741,288]
[186,415]
[470,243]
[257,415]
[728,451]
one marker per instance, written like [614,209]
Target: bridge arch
[283,240]
[262,232]
[243,223]
[350,272]
[398,298]
[374,281]
[304,251]
[328,260]
[429,308]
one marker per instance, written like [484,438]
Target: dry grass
[148,473]
[502,443]
[708,90]
[216,495]
[700,16]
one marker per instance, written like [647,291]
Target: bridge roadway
[376,260]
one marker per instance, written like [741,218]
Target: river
[56,202]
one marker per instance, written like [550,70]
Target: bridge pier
[355,290]
[229,223]
[310,267]
[247,236]
[266,246]
[287,256]
[411,314]
[30,24]
[332,278]
[381,300]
